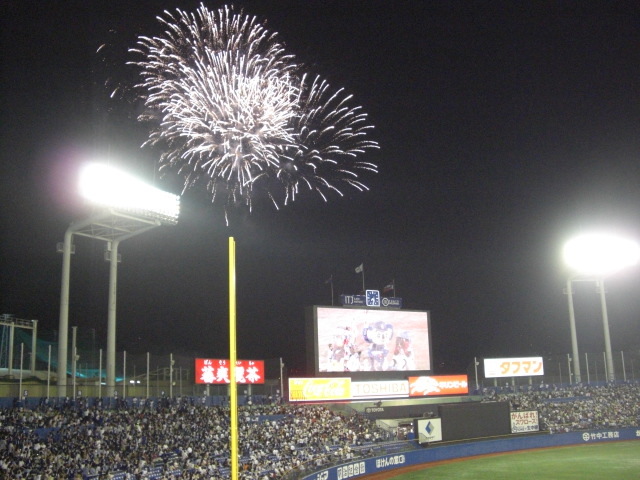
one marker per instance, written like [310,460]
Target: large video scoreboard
[368,343]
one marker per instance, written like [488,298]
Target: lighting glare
[107,186]
[600,254]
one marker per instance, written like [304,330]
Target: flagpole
[360,269]
[330,281]
[332,291]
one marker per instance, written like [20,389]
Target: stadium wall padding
[462,421]
[429,454]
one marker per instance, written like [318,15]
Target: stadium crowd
[183,438]
[576,407]
[179,437]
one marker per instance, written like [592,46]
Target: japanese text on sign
[611,435]
[513,367]
[522,422]
[216,371]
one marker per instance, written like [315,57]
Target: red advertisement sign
[438,385]
[216,371]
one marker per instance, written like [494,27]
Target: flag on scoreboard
[360,268]
[390,287]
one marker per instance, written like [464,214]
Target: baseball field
[614,461]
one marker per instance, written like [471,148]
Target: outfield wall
[446,452]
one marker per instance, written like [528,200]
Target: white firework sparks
[230,107]
[330,136]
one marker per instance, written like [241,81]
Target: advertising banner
[314,389]
[425,386]
[428,430]
[319,389]
[371,301]
[216,371]
[522,422]
[384,463]
[379,389]
[513,367]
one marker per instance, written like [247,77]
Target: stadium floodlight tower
[127,207]
[592,257]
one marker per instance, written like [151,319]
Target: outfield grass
[603,461]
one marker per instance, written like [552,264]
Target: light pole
[574,337]
[592,257]
[129,207]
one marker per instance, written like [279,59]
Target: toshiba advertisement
[216,371]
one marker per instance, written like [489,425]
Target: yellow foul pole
[233,395]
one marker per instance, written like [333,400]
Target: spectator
[184,437]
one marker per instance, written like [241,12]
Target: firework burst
[230,108]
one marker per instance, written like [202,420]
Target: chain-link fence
[136,375]
[149,375]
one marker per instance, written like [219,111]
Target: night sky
[505,127]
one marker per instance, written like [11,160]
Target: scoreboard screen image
[370,341]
